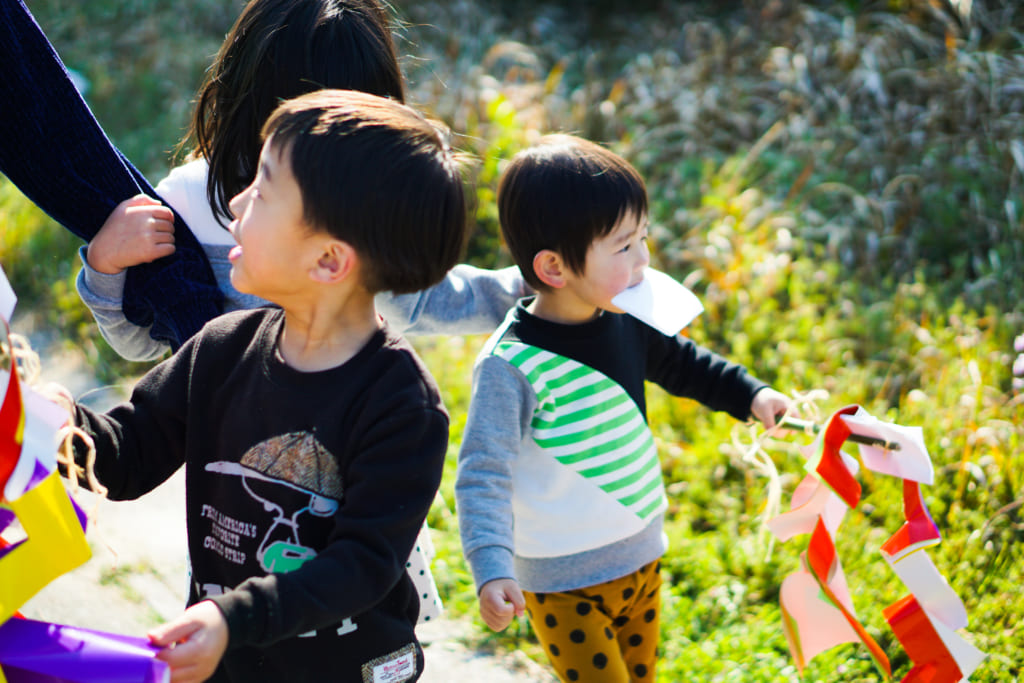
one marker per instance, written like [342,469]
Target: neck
[559,306]
[325,334]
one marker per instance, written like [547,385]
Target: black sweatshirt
[304,493]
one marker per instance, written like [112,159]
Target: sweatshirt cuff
[489,563]
[102,285]
[755,386]
[239,612]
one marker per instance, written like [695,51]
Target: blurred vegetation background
[842,183]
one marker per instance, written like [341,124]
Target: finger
[517,600]
[161,250]
[159,225]
[498,603]
[143,200]
[157,221]
[161,232]
[179,655]
[151,209]
[188,662]
[170,633]
[164,214]
[138,200]
[497,622]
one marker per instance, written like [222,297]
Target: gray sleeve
[500,410]
[103,294]
[469,300]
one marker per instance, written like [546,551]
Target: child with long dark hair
[276,50]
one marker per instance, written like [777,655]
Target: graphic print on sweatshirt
[590,425]
[293,489]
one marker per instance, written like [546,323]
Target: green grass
[841,183]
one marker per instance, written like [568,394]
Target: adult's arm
[184,190]
[55,152]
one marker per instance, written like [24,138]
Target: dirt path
[136,577]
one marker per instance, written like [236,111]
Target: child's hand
[138,230]
[500,600]
[768,405]
[193,643]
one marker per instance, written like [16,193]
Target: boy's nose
[645,256]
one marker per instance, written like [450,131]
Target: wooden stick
[808,427]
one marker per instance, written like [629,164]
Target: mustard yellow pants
[606,633]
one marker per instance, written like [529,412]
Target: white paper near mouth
[661,302]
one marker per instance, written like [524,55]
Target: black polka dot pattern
[601,633]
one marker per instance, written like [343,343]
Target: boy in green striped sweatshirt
[559,490]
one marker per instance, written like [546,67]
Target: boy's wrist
[490,563]
[102,285]
[236,608]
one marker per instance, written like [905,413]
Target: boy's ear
[549,268]
[336,262]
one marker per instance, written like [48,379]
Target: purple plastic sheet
[40,652]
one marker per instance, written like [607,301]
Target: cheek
[623,275]
[615,279]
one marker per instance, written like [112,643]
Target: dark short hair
[380,176]
[562,194]
[277,50]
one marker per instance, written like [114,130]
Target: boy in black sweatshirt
[313,437]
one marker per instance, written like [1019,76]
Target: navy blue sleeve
[55,152]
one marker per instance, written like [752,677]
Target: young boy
[313,437]
[559,492]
